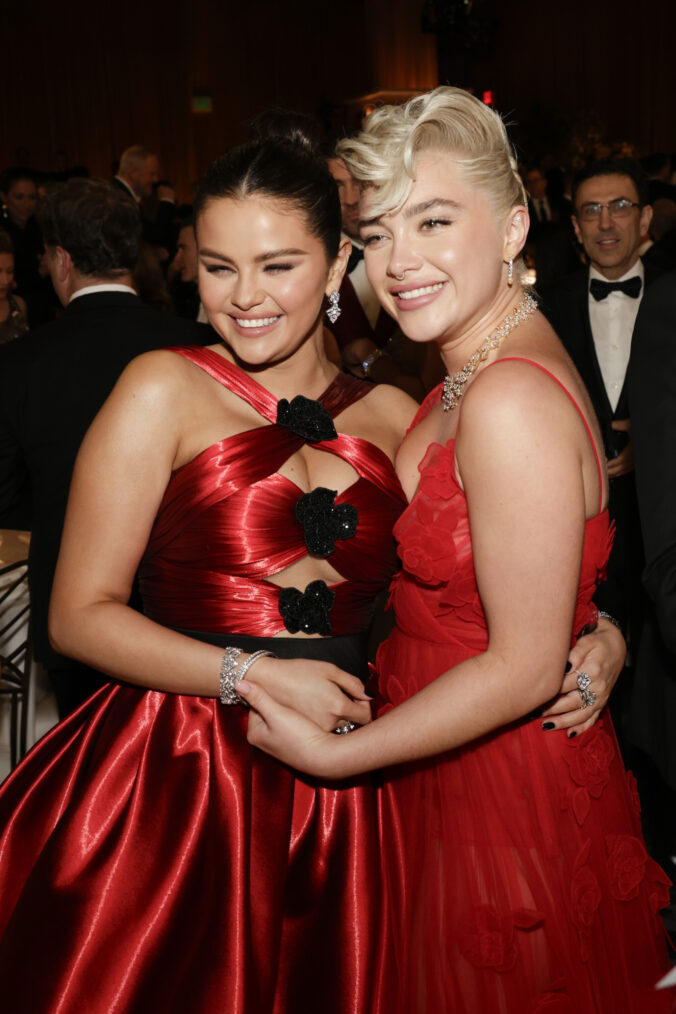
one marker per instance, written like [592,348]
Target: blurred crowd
[165,276]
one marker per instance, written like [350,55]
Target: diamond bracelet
[232,673]
[611,619]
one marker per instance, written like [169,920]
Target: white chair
[16,682]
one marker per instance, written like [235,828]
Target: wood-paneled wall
[92,79]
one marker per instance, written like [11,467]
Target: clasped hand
[293,720]
[318,691]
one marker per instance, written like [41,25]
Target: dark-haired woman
[19,195]
[12,308]
[150,858]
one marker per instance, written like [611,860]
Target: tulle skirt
[517,877]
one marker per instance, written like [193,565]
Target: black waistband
[347,651]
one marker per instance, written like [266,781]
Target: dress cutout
[228,521]
[527,887]
[150,860]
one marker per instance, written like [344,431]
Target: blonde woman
[518,879]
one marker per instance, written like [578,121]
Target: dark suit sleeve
[652,402]
[11,471]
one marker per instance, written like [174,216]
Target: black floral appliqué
[309,419]
[323,522]
[309,610]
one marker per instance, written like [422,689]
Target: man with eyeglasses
[594,311]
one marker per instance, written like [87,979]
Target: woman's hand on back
[600,656]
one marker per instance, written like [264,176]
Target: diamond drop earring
[333,311]
[510,273]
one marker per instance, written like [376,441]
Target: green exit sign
[201,104]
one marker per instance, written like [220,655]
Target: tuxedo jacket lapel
[592,375]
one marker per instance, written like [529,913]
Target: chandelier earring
[333,310]
[510,272]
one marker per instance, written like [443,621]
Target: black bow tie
[356,256]
[630,287]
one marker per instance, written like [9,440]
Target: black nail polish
[567,669]
[548,725]
[572,735]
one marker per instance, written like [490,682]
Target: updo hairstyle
[383,155]
[283,167]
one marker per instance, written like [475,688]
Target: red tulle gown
[519,881]
[150,860]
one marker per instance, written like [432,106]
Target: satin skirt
[151,861]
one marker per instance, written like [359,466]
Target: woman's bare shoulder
[157,373]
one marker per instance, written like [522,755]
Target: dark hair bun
[279,162]
[296,129]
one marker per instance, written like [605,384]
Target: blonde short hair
[383,155]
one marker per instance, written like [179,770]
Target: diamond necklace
[454,386]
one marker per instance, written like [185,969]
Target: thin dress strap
[522,359]
[368,460]
[342,392]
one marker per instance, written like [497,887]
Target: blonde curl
[383,156]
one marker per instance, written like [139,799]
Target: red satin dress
[518,878]
[150,860]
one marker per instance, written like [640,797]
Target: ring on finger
[344,726]
[588,698]
[583,680]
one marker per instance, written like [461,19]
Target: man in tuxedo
[138,172]
[362,316]
[651,383]
[551,242]
[593,311]
[371,344]
[540,208]
[138,176]
[53,381]
[183,274]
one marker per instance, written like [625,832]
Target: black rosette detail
[307,611]
[308,418]
[323,522]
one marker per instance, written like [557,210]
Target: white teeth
[424,291]
[261,322]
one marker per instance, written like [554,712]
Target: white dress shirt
[612,322]
[104,287]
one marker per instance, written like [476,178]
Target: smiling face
[262,277]
[21,198]
[6,274]
[610,243]
[438,265]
